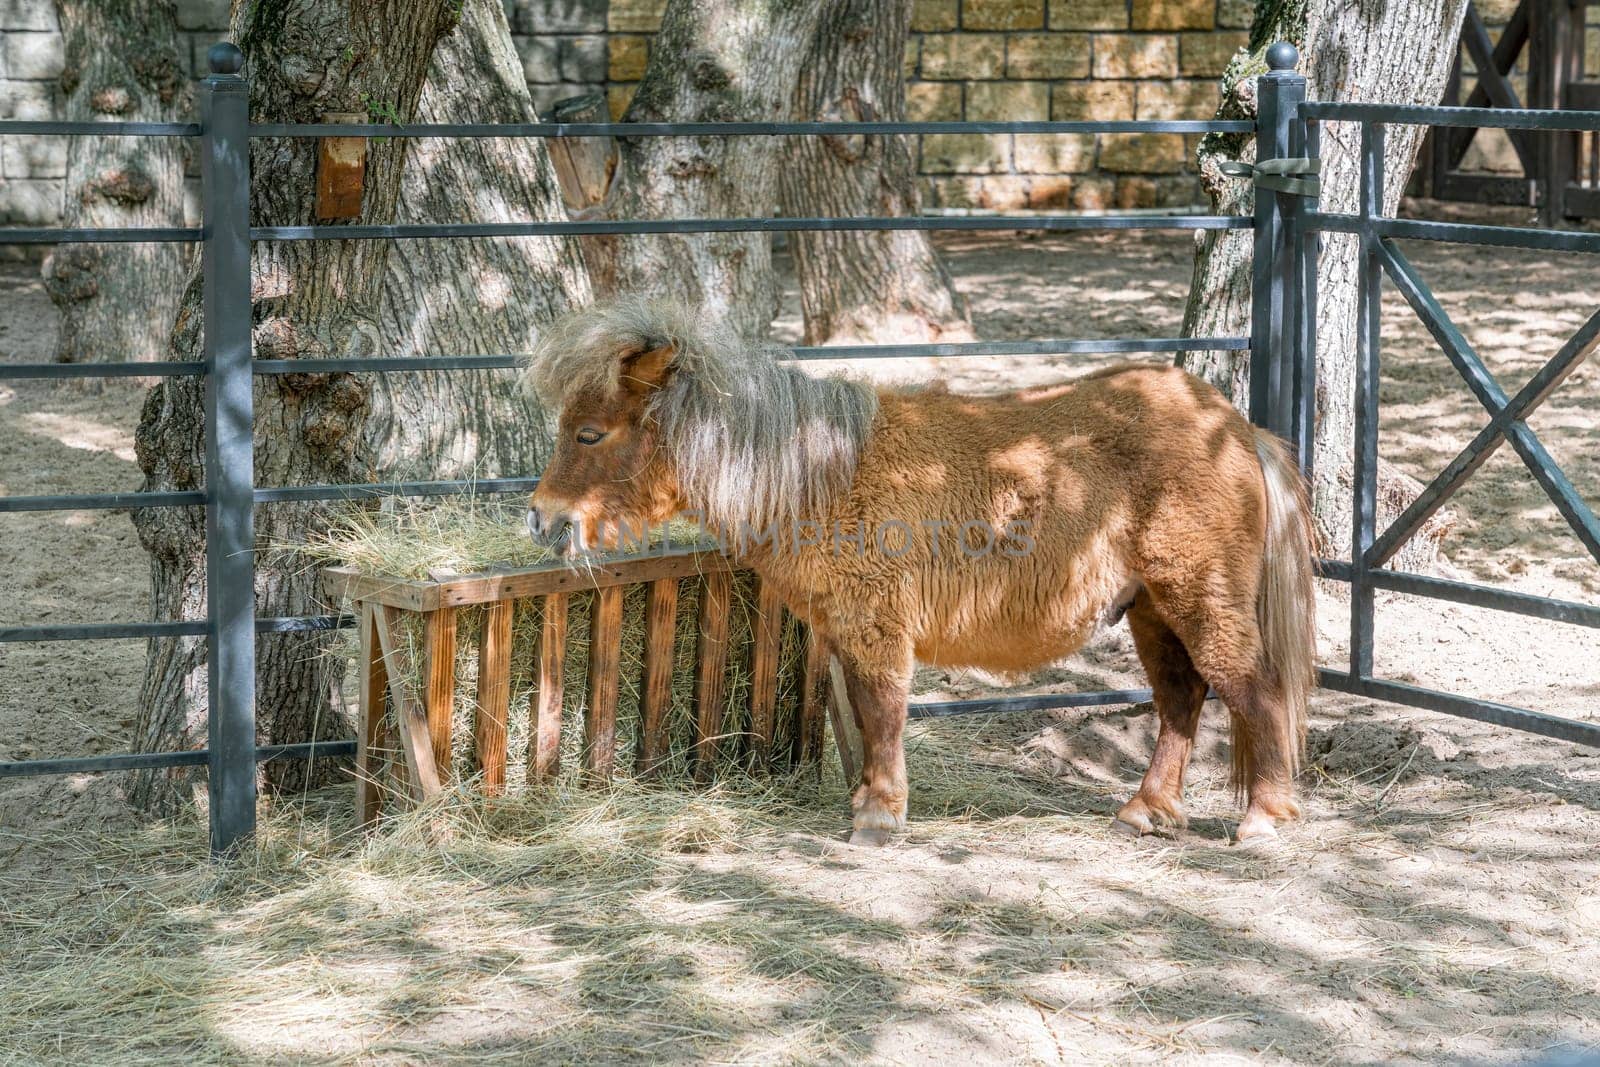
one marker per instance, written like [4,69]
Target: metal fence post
[1369,342]
[1275,281]
[230,476]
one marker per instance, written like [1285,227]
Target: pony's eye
[587,436]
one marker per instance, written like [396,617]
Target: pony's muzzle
[552,532]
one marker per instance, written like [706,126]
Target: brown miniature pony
[993,532]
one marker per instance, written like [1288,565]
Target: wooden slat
[846,723]
[494,696]
[765,649]
[544,749]
[439,682]
[422,773]
[559,576]
[813,698]
[711,674]
[660,652]
[605,677]
[371,706]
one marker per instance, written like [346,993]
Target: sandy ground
[1439,902]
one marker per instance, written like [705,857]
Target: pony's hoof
[870,837]
[1138,817]
[1256,831]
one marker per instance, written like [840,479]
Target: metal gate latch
[1276,174]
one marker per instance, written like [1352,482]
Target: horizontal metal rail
[100,501]
[1488,118]
[1113,345]
[33,235]
[409,231]
[140,761]
[1459,233]
[1533,722]
[1043,702]
[161,369]
[112,631]
[102,631]
[369,491]
[50,127]
[743,129]
[1473,595]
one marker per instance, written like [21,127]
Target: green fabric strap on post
[1277,174]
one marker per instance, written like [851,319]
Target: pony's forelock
[753,440]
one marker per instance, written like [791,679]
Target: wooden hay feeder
[408,665]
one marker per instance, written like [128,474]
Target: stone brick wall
[967,59]
[1038,59]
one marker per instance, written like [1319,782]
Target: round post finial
[225,58]
[1282,56]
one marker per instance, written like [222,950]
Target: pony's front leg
[878,695]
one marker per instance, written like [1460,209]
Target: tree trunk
[484,296]
[1397,53]
[713,61]
[121,63]
[863,286]
[319,299]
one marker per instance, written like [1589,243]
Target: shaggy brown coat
[991,532]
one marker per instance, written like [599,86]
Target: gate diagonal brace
[1279,174]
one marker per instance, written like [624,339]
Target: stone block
[1174,14]
[33,157]
[1047,55]
[1196,99]
[934,16]
[1002,15]
[1127,56]
[629,55]
[202,14]
[30,202]
[618,97]
[540,60]
[27,15]
[1053,153]
[1206,55]
[1088,14]
[933,102]
[965,153]
[1143,153]
[1092,101]
[29,100]
[1008,101]
[634,16]
[558,16]
[583,59]
[34,56]
[1012,192]
[963,56]
[1235,14]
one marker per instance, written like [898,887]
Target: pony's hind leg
[1179,694]
[878,699]
[1264,753]
[1223,639]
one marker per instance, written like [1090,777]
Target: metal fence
[1281,345]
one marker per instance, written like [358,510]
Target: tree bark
[321,299]
[713,61]
[121,63]
[863,286]
[1397,53]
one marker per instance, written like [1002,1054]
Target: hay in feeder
[464,536]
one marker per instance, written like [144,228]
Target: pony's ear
[647,371]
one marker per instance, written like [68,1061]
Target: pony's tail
[1285,608]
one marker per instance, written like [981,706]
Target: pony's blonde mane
[753,440]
